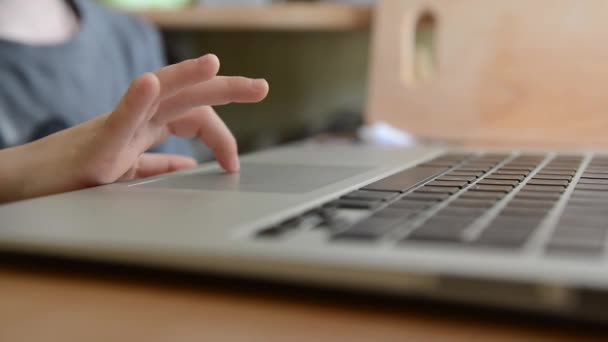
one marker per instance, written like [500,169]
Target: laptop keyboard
[498,201]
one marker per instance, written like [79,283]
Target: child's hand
[175,100]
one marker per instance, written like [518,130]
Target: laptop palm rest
[261,177]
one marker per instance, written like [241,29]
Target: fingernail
[234,164]
[258,84]
[204,58]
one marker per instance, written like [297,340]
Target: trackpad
[262,177]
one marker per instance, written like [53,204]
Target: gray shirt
[47,88]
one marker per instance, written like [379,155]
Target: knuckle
[208,66]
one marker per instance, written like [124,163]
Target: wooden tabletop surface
[86,303]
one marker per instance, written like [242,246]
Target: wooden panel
[518,71]
[285,17]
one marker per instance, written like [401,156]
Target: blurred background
[314,54]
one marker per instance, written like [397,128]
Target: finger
[132,109]
[204,123]
[152,164]
[218,91]
[176,77]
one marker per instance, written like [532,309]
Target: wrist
[51,165]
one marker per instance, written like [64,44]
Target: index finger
[176,77]
[204,123]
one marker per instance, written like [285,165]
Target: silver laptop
[510,229]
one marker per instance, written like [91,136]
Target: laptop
[520,229]
[514,229]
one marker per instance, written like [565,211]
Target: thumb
[152,164]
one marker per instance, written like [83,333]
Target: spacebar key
[406,179]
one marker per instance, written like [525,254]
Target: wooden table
[89,303]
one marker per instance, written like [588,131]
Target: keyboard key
[486,181]
[583,219]
[587,209]
[450,211]
[577,232]
[593,181]
[405,180]
[370,195]
[527,159]
[354,204]
[440,229]
[471,203]
[552,177]
[448,222]
[503,238]
[560,169]
[523,163]
[272,232]
[483,195]
[436,190]
[457,155]
[480,169]
[397,213]
[426,197]
[574,220]
[436,235]
[481,163]
[507,232]
[524,168]
[589,206]
[563,166]
[576,157]
[588,202]
[511,172]
[556,172]
[543,188]
[329,216]
[440,163]
[526,203]
[467,179]
[592,187]
[369,229]
[495,176]
[523,212]
[449,183]
[411,204]
[575,247]
[537,181]
[513,223]
[590,175]
[465,173]
[535,195]
[448,160]
[492,188]
[496,156]
[597,170]
[577,193]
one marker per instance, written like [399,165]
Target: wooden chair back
[479,71]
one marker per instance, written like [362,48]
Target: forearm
[14,163]
[43,167]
